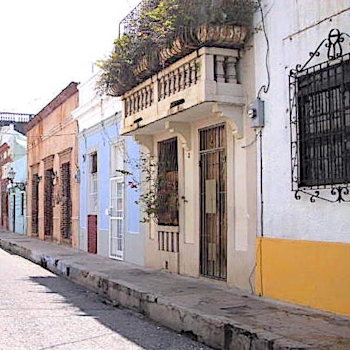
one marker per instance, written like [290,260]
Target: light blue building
[17,197]
[15,172]
[109,217]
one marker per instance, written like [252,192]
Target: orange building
[53,191]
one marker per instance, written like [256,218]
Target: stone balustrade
[208,74]
[139,100]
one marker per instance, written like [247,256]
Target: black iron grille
[323,107]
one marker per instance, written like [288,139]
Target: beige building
[53,192]
[191,116]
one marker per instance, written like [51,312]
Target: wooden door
[92,234]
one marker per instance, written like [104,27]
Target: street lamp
[11,176]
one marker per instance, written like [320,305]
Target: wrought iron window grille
[319,98]
[167,183]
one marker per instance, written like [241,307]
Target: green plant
[158,191]
[159,25]
[117,74]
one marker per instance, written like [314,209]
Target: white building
[303,256]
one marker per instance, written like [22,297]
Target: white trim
[119,253]
[110,121]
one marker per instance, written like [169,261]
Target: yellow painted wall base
[315,274]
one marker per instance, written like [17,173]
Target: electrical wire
[43,135]
[265,88]
[252,143]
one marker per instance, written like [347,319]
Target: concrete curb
[216,332]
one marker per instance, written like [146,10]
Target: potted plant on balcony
[146,59]
[224,22]
[160,32]
[117,75]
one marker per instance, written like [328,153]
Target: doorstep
[220,317]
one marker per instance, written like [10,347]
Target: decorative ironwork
[131,23]
[66,204]
[48,202]
[320,123]
[35,204]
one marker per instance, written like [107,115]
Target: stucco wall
[100,140]
[304,254]
[96,142]
[99,125]
[53,134]
[294,28]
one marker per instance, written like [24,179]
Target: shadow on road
[130,325]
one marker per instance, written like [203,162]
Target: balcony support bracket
[233,114]
[145,141]
[183,131]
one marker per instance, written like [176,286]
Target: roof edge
[64,95]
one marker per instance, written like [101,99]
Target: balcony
[160,33]
[202,83]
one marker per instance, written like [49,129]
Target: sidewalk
[219,317]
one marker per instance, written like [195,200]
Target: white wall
[294,28]
[94,108]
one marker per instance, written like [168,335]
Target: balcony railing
[203,76]
[139,100]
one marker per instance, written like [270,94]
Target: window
[320,98]
[66,201]
[22,203]
[167,202]
[93,187]
[48,201]
[35,204]
[323,102]
[93,163]
[117,161]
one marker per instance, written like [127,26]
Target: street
[39,310]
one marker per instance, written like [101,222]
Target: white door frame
[117,215]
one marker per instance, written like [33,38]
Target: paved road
[39,310]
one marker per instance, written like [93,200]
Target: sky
[46,44]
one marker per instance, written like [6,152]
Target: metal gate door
[117,219]
[213,230]
[66,203]
[35,205]
[48,202]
